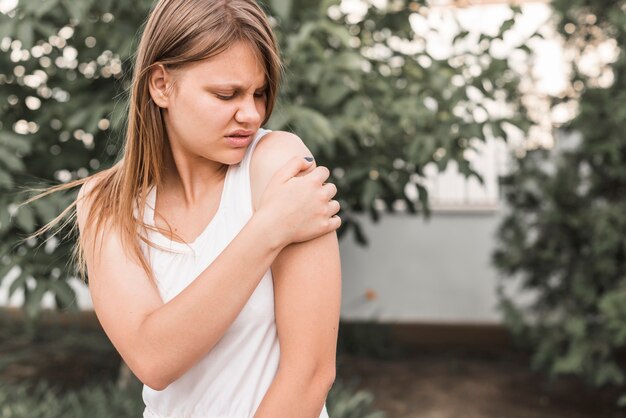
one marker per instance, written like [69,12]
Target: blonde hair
[177,32]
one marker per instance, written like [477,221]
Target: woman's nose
[248,111]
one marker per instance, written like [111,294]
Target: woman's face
[206,102]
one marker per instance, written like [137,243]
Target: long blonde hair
[177,32]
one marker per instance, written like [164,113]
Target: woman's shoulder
[272,152]
[278,145]
[84,198]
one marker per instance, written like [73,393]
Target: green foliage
[344,401]
[98,396]
[374,112]
[370,339]
[563,239]
[42,400]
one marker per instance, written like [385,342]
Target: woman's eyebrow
[234,86]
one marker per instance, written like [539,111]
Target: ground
[472,384]
[436,382]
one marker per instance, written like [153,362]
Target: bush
[344,401]
[564,236]
[42,400]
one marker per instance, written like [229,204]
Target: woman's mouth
[238,141]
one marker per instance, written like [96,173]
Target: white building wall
[435,271]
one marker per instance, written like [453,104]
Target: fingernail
[309,159]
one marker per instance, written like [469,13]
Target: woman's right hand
[298,205]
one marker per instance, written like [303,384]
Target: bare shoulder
[272,152]
[276,148]
[83,199]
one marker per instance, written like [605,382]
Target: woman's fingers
[334,207]
[334,223]
[292,168]
[320,174]
[330,189]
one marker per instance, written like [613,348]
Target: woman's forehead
[238,66]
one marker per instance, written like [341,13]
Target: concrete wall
[423,271]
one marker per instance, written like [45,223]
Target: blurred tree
[563,239]
[364,94]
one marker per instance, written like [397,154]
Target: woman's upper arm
[307,294]
[121,291]
[307,277]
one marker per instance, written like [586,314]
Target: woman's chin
[233,157]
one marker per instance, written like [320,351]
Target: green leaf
[570,363]
[76,9]
[370,193]
[7,26]
[45,209]
[78,119]
[356,174]
[498,132]
[338,31]
[506,26]
[5,219]
[325,4]
[304,34]
[63,292]
[422,193]
[11,162]
[314,128]
[45,29]
[18,283]
[25,218]
[14,142]
[460,35]
[331,94]
[282,8]
[359,234]
[32,304]
[348,61]
[280,119]
[25,33]
[6,180]
[44,6]
[4,270]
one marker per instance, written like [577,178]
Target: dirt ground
[472,384]
[429,383]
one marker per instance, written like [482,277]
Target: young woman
[210,246]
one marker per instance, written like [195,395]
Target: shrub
[563,238]
[42,400]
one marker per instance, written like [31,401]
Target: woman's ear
[160,85]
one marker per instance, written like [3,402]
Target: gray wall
[422,271]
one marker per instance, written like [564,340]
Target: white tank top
[232,379]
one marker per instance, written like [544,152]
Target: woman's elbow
[152,375]
[324,377]
[328,378]
[155,382]
[308,375]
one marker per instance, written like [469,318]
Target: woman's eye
[221,97]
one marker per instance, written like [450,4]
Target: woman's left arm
[307,296]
